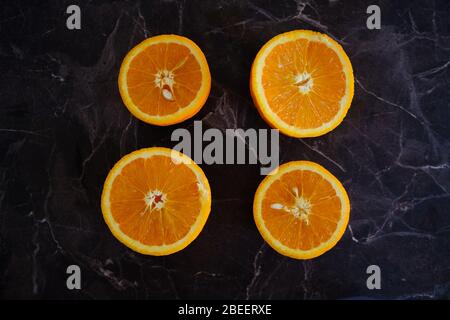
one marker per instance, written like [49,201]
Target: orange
[164,80]
[301,209]
[302,83]
[156,201]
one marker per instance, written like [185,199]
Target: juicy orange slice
[302,83]
[156,201]
[301,209]
[164,80]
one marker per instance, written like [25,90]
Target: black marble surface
[63,126]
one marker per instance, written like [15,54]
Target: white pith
[164,80]
[155,200]
[305,82]
[300,210]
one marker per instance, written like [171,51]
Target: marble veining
[63,126]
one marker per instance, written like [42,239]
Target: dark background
[63,126]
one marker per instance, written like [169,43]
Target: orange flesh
[155,58]
[148,225]
[324,215]
[281,85]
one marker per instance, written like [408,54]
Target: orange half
[156,201]
[164,80]
[301,210]
[302,83]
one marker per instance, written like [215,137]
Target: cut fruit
[301,209]
[164,80]
[156,201]
[302,83]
